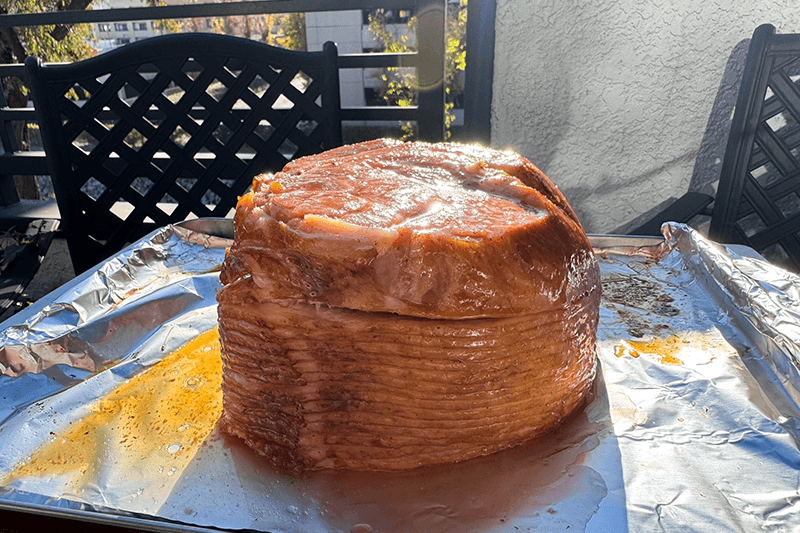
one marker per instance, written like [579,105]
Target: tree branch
[11,49]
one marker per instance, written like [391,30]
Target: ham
[391,305]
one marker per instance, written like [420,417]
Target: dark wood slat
[13,69]
[24,163]
[408,59]
[380,113]
[363,60]
[28,114]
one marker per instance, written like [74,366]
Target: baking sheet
[693,424]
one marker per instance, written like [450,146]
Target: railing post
[8,189]
[431,46]
[479,75]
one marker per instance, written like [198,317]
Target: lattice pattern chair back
[758,200]
[174,126]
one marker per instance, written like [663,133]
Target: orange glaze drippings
[664,349]
[155,421]
[621,350]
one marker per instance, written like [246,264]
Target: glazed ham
[391,305]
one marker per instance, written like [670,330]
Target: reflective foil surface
[108,408]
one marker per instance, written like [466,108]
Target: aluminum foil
[692,426]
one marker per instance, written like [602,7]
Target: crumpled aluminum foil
[693,424]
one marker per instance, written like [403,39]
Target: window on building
[139,26]
[104,27]
[121,26]
[121,41]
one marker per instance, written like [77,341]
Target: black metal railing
[429,114]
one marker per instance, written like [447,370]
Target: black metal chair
[758,197]
[174,126]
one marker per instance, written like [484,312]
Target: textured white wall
[613,100]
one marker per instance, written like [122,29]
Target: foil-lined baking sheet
[109,398]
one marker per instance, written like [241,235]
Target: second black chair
[174,126]
[758,197]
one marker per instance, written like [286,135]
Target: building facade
[110,35]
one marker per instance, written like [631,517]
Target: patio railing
[428,62]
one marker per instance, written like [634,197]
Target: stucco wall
[617,102]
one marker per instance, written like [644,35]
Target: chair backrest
[173,126]
[758,199]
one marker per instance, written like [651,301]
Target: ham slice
[391,305]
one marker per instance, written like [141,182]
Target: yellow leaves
[38,40]
[458,54]
[399,86]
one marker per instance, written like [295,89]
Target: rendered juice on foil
[151,424]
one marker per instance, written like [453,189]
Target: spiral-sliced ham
[391,305]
